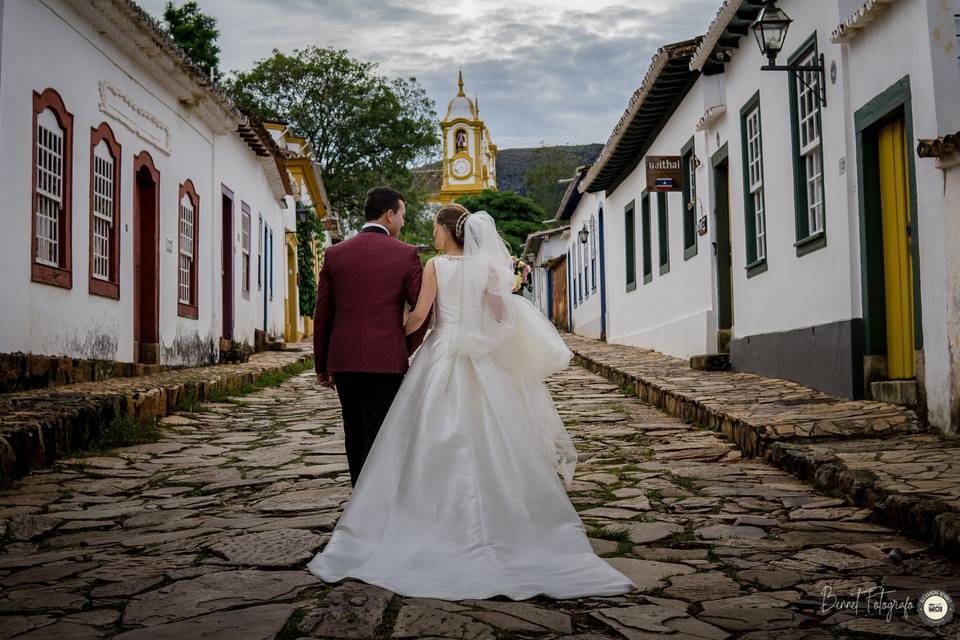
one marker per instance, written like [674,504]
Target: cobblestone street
[205,533]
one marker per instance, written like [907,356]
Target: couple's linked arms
[428,293]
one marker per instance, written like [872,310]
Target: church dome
[461,106]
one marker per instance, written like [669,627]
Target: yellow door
[293,298]
[897,267]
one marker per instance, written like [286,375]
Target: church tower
[469,156]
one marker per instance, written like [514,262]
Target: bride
[460,496]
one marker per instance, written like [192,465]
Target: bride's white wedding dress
[459,496]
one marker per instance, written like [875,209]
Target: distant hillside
[513,164]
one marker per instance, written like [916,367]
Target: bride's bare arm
[428,293]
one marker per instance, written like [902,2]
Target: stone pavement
[871,452]
[39,426]
[205,534]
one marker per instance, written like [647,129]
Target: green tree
[418,229]
[365,129]
[196,33]
[516,216]
[541,183]
[306,261]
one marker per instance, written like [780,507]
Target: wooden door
[146,260]
[897,267]
[226,264]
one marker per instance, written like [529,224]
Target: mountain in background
[514,164]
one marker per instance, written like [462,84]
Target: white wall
[586,310]
[55,321]
[795,291]
[917,39]
[239,170]
[552,246]
[673,313]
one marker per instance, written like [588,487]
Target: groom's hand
[325,380]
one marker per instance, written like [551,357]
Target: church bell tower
[469,156]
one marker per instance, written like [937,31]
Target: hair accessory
[460,222]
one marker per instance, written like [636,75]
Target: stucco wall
[673,313]
[56,321]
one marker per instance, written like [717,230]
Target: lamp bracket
[821,88]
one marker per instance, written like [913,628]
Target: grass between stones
[291,630]
[687,482]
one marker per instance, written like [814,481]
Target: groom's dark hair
[379,201]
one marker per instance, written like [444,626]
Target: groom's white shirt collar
[374,224]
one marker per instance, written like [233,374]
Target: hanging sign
[664,173]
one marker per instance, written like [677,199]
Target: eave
[859,20]
[269,155]
[571,197]
[666,83]
[731,23]
[132,30]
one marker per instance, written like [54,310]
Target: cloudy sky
[550,71]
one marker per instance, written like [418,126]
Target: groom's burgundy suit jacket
[362,292]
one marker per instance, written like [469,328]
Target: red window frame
[190,310]
[62,274]
[109,288]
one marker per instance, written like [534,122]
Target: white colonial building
[810,240]
[144,214]
[546,253]
[657,268]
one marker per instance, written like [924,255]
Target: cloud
[556,71]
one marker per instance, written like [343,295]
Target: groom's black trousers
[365,399]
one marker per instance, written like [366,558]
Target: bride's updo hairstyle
[453,216]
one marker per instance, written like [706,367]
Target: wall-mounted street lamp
[303,214]
[770,29]
[584,233]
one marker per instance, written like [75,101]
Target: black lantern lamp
[770,29]
[303,214]
[583,234]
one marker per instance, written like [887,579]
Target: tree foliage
[365,129]
[306,262]
[516,216]
[541,183]
[196,33]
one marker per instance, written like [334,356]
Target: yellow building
[307,183]
[469,156]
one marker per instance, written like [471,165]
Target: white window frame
[187,230]
[810,141]
[245,250]
[260,263]
[51,167]
[755,181]
[104,207]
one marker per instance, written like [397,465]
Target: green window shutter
[630,237]
[807,239]
[663,232]
[645,229]
[689,199]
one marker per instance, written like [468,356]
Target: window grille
[103,209]
[755,182]
[187,231]
[811,152]
[50,171]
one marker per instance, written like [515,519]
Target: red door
[226,262]
[146,260]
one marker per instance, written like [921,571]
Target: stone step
[40,426]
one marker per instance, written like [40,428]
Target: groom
[358,343]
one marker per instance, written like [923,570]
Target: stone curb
[41,426]
[921,516]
